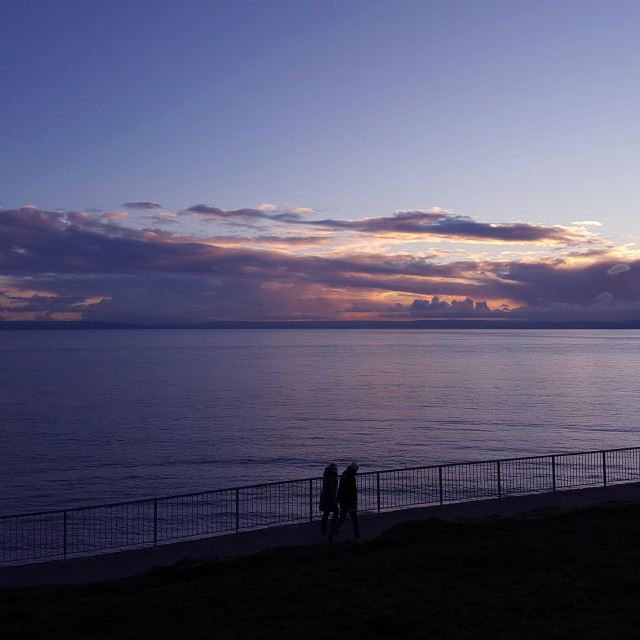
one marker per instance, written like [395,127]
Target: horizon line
[322,324]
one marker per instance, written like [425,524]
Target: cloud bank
[266,263]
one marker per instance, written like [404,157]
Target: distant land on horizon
[321,324]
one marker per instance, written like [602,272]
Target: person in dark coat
[348,500]
[328,501]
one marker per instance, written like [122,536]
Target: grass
[545,574]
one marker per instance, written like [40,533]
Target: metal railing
[49,535]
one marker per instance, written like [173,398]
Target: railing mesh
[38,537]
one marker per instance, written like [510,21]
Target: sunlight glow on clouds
[587,223]
[286,266]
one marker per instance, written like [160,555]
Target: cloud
[588,223]
[416,225]
[443,224]
[247,215]
[273,241]
[144,204]
[115,215]
[162,218]
[541,284]
[467,308]
[216,212]
[618,268]
[275,208]
[100,267]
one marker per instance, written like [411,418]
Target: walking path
[114,566]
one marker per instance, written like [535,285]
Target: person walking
[328,499]
[348,500]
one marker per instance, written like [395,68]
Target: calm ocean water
[90,417]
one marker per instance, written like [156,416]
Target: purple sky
[249,160]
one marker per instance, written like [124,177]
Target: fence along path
[82,531]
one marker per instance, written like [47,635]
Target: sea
[95,417]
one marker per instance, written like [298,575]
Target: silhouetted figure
[348,501]
[328,501]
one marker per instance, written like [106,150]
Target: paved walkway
[114,566]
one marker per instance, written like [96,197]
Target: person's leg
[341,519]
[334,518]
[353,512]
[323,522]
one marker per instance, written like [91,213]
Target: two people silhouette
[345,495]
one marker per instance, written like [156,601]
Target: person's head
[332,468]
[355,466]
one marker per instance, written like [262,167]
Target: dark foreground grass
[546,574]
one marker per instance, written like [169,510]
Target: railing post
[604,468]
[499,481]
[64,535]
[440,484]
[310,501]
[237,510]
[155,523]
[378,488]
[553,473]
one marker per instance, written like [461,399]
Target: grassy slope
[547,574]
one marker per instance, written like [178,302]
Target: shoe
[329,537]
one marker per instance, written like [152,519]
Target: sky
[198,160]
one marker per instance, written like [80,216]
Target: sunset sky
[196,160]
